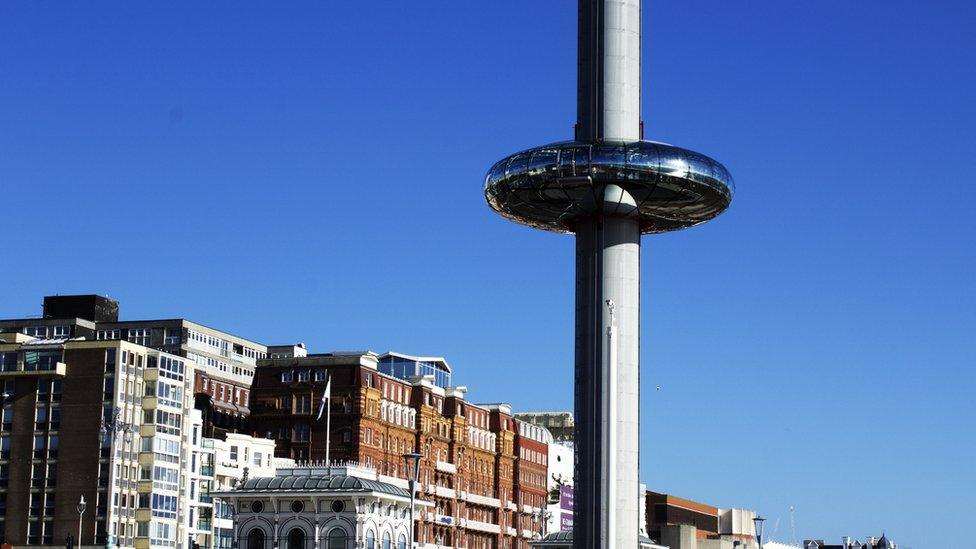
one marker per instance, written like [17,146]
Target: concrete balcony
[58,369]
[149,402]
[444,492]
[483,526]
[446,467]
[447,520]
[511,506]
[482,500]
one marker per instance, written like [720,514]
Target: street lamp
[81,511]
[541,518]
[113,426]
[110,428]
[413,469]
[758,523]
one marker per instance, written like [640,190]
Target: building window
[301,433]
[303,404]
[303,375]
[36,331]
[173,336]
[233,453]
[337,537]
[287,377]
[139,336]
[319,375]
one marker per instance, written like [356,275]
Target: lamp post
[112,426]
[413,468]
[81,511]
[541,519]
[758,523]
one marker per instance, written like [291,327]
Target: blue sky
[312,171]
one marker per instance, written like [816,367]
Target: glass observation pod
[551,186]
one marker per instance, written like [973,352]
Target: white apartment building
[223,464]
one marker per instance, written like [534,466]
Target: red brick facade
[485,475]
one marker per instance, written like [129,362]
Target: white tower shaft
[608,291]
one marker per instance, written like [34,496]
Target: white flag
[326,395]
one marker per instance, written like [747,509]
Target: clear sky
[312,171]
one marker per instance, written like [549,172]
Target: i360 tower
[608,187]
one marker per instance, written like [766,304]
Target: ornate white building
[320,508]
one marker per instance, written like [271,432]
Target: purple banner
[566,505]
[566,498]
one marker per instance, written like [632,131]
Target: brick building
[483,470]
[681,523]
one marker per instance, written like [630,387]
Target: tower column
[607,383]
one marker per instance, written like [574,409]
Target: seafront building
[484,471]
[320,507]
[122,410]
[96,408]
[681,523]
[223,363]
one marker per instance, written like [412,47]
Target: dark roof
[564,535]
[316,483]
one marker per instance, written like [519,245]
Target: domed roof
[883,543]
[318,483]
[563,535]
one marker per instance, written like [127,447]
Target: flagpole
[328,429]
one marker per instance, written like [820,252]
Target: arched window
[370,539]
[387,540]
[296,539]
[336,539]
[402,542]
[255,539]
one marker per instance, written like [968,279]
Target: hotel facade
[484,471]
